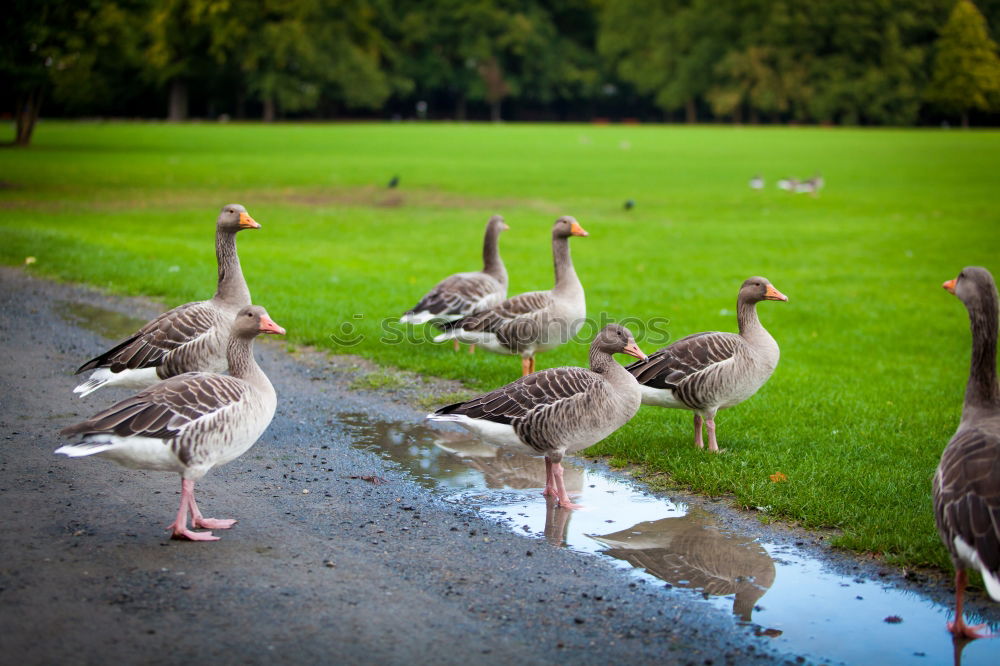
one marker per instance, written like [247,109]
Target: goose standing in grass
[967,481]
[559,410]
[189,423]
[464,294]
[706,372]
[757,182]
[537,321]
[191,337]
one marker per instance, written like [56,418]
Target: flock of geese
[190,417]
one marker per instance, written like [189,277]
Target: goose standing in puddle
[967,481]
[559,410]
[191,337]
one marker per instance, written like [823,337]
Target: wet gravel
[320,567]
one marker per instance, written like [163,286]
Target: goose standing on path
[464,294]
[559,410]
[536,321]
[189,423]
[967,481]
[706,372]
[191,337]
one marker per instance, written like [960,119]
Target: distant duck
[811,186]
[788,184]
[967,481]
[393,183]
[757,182]
[537,321]
[189,423]
[706,372]
[462,294]
[557,411]
[190,337]
[629,204]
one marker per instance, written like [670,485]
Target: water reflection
[793,597]
[104,322]
[691,551]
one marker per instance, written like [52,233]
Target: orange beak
[247,222]
[949,286]
[773,294]
[632,349]
[504,226]
[267,325]
[577,230]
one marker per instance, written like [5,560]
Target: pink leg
[697,432]
[179,526]
[197,520]
[561,493]
[525,367]
[713,445]
[456,345]
[959,628]
[472,349]
[550,480]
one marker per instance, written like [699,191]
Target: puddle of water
[776,590]
[106,323]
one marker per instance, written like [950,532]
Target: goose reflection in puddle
[688,551]
[692,552]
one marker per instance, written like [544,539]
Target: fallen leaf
[29,260]
[778,477]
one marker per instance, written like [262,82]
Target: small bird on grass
[393,183]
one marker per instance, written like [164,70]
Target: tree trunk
[495,111]
[178,106]
[965,120]
[753,116]
[690,112]
[460,107]
[28,106]
[269,112]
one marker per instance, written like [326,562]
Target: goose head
[972,285]
[567,226]
[235,217]
[497,224]
[253,320]
[758,289]
[616,339]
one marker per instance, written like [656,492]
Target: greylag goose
[706,372]
[189,423]
[463,294]
[757,182]
[559,410]
[535,321]
[191,337]
[967,481]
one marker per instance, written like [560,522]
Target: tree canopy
[897,62]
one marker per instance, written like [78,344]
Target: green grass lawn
[874,352]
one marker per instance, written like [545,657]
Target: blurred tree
[966,73]
[74,52]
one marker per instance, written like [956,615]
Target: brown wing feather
[148,347]
[457,294]
[669,366]
[497,317]
[517,399]
[967,494]
[164,409]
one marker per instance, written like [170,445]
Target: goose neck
[565,273]
[232,287]
[982,390]
[492,263]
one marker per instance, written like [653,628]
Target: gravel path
[320,568]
